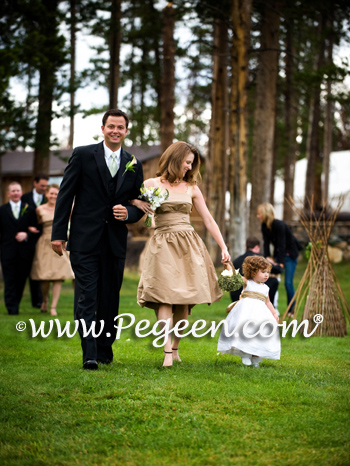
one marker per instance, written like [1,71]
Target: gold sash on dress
[254,295]
[247,294]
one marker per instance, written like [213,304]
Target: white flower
[227,273]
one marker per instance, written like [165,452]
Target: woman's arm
[142,205]
[266,239]
[279,233]
[209,222]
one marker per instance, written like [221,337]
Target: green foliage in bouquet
[230,280]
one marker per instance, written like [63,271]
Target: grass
[209,410]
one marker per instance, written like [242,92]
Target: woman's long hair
[268,213]
[170,163]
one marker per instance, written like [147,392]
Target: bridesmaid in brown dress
[48,266]
[178,272]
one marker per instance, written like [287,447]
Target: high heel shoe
[176,357]
[53,311]
[167,365]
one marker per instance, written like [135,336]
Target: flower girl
[252,330]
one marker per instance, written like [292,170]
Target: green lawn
[208,410]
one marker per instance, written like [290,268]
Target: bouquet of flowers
[230,279]
[155,196]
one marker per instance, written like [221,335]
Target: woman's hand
[225,256]
[142,205]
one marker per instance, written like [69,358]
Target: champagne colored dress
[177,266]
[47,265]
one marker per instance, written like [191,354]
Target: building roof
[21,162]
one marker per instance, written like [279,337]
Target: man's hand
[120,212]
[21,236]
[58,246]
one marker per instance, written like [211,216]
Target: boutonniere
[24,209]
[129,167]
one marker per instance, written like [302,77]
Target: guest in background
[286,246]
[48,266]
[35,198]
[16,218]
[253,249]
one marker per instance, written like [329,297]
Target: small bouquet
[155,196]
[230,279]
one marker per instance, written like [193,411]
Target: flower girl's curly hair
[170,163]
[252,265]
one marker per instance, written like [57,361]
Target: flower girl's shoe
[256,360]
[246,359]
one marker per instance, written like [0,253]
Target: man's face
[14,192]
[40,186]
[114,132]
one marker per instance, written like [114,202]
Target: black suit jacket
[27,198]
[85,182]
[10,226]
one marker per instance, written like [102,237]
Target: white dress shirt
[109,152]
[37,197]
[13,204]
[108,159]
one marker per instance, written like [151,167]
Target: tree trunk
[167,94]
[158,69]
[217,166]
[313,187]
[265,110]
[115,43]
[72,72]
[43,125]
[274,165]
[328,125]
[237,183]
[47,76]
[290,126]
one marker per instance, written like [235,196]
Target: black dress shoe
[91,365]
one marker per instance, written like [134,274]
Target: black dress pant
[35,292]
[15,272]
[98,279]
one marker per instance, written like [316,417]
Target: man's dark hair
[251,242]
[41,176]
[117,113]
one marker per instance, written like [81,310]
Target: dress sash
[254,295]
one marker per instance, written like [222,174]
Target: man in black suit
[101,179]
[35,198]
[253,249]
[16,217]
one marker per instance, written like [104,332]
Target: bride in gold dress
[178,272]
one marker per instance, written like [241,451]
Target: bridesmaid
[178,272]
[47,266]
